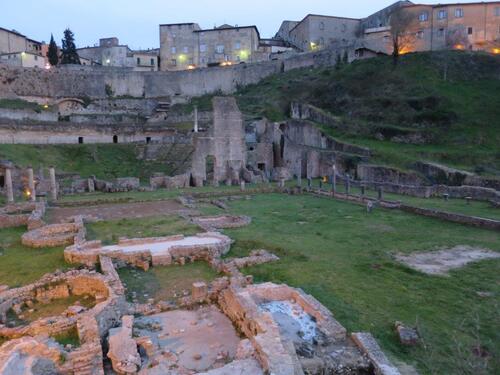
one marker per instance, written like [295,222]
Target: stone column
[9,191]
[334,179]
[53,185]
[91,185]
[347,184]
[299,174]
[196,119]
[31,184]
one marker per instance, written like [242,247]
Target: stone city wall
[98,83]
[456,218]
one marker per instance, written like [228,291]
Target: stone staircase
[163,107]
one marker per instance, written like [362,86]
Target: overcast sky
[135,22]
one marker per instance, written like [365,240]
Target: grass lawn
[342,256]
[160,194]
[160,283]
[110,231]
[164,283]
[21,265]
[55,308]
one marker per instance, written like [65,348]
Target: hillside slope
[449,100]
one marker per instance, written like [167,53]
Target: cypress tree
[69,54]
[52,54]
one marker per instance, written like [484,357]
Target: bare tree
[402,23]
[456,38]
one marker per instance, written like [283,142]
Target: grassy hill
[103,161]
[452,99]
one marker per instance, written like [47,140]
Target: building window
[442,14]
[420,34]
[321,25]
[191,61]
[237,58]
[424,16]
[203,48]
[497,11]
[343,28]
[173,50]
[138,61]
[80,140]
[237,45]
[152,62]
[173,62]
[186,49]
[115,139]
[441,32]
[459,12]
[321,41]
[219,48]
[148,140]
[36,58]
[469,30]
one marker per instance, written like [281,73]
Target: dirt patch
[440,262]
[198,339]
[118,211]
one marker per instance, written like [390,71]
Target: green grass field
[343,256]
[21,265]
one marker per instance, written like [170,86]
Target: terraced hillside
[439,106]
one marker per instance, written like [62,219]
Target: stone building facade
[13,41]
[109,52]
[23,60]
[474,26]
[317,32]
[188,46]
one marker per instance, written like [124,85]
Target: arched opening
[210,169]
[115,139]
[80,140]
[148,140]
[2,181]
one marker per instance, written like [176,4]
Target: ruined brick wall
[225,141]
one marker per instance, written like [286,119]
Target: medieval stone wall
[100,83]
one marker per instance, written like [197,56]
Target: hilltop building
[18,50]
[474,26]
[110,53]
[188,46]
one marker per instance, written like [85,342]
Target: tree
[53,54]
[69,54]
[401,21]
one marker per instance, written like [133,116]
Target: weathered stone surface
[407,335]
[123,349]
[199,291]
[367,343]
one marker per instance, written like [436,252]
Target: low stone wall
[56,235]
[456,218]
[92,325]
[274,352]
[174,182]
[16,214]
[88,253]
[211,223]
